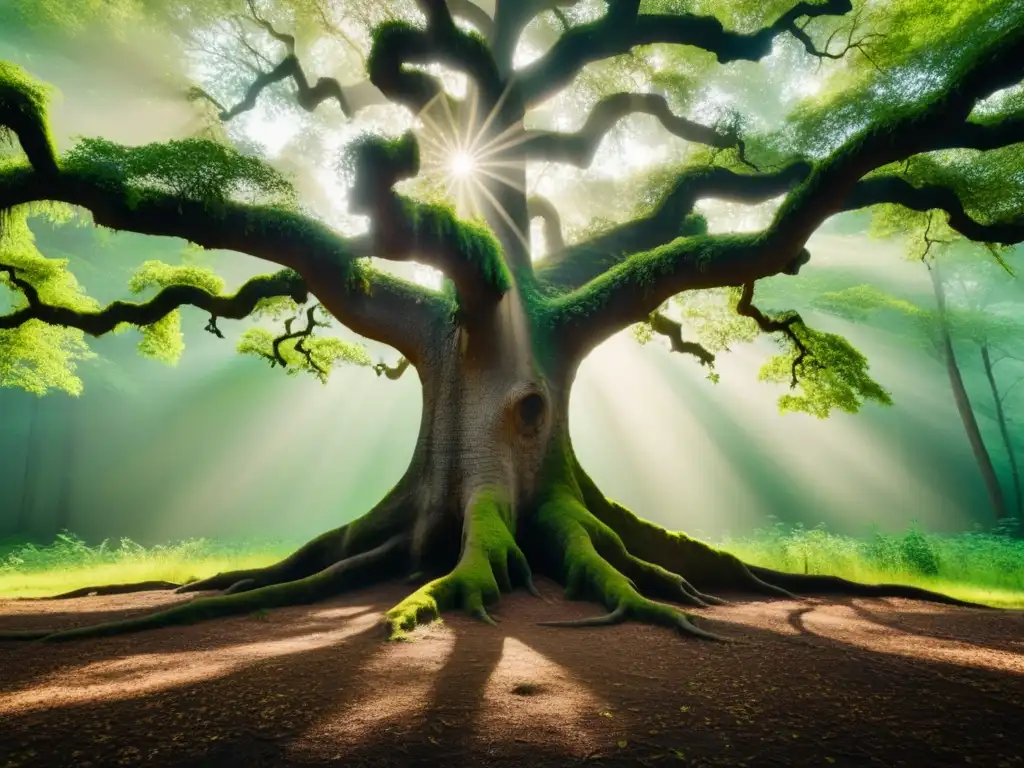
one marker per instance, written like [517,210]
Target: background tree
[494,488]
[969,321]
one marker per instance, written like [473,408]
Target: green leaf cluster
[35,356]
[834,376]
[193,169]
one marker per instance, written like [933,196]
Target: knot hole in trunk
[530,411]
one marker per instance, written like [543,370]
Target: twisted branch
[745,307]
[623,28]
[538,206]
[580,147]
[664,325]
[97,323]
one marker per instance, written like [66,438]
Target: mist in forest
[221,445]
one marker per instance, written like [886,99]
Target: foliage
[297,349]
[193,169]
[33,570]
[38,357]
[22,100]
[834,375]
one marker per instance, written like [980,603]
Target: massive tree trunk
[963,401]
[493,493]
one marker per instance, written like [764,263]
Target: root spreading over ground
[598,550]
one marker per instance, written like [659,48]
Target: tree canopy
[912,110]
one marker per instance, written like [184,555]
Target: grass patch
[30,570]
[985,567]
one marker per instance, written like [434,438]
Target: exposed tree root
[594,565]
[490,563]
[599,550]
[365,568]
[393,515]
[115,589]
[711,568]
[816,584]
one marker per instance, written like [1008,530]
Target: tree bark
[963,401]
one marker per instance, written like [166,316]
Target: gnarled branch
[894,189]
[623,28]
[309,97]
[474,14]
[633,288]
[397,44]
[580,263]
[665,326]
[369,302]
[234,307]
[745,307]
[579,148]
[540,207]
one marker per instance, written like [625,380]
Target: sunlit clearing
[143,674]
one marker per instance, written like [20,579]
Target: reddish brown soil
[856,682]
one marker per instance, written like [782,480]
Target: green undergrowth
[985,567]
[68,563]
[981,566]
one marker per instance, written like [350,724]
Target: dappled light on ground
[136,675]
[320,685]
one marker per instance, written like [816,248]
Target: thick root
[392,516]
[490,563]
[594,565]
[375,565]
[115,589]
[711,568]
[815,584]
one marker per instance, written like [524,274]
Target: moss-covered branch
[623,27]
[374,305]
[404,229]
[580,147]
[233,307]
[23,104]
[638,284]
[397,43]
[580,263]
[894,189]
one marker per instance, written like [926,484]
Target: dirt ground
[816,683]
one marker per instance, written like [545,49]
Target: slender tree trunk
[62,521]
[28,494]
[1004,430]
[963,402]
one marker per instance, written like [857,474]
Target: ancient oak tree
[922,114]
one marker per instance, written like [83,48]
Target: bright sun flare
[462,165]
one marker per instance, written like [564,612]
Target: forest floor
[815,683]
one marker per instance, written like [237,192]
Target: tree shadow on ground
[319,686]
